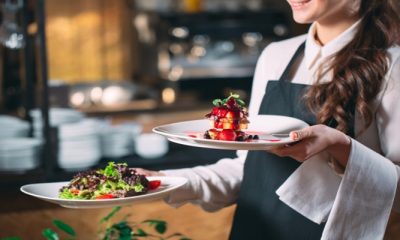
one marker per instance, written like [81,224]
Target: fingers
[301,134]
[148,173]
[298,151]
[301,150]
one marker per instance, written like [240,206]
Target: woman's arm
[212,187]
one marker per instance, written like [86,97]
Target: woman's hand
[315,139]
[148,173]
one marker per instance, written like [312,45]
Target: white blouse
[357,204]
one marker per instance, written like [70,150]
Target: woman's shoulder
[283,49]
[286,46]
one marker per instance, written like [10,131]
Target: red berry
[227,135]
[215,110]
[218,124]
[222,112]
[231,102]
[233,114]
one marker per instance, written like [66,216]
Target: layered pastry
[228,118]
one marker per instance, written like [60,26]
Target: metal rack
[35,44]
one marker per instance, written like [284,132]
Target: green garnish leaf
[234,95]
[50,234]
[217,102]
[240,102]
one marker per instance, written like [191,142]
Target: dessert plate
[273,131]
[49,192]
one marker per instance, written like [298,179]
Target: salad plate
[272,130]
[49,192]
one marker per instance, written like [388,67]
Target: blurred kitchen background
[84,82]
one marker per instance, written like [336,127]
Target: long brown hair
[358,69]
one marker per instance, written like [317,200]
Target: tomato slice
[74,191]
[105,196]
[154,184]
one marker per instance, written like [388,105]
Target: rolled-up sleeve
[212,187]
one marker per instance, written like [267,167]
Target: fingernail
[294,136]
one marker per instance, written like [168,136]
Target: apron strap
[297,54]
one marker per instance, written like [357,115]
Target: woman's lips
[298,4]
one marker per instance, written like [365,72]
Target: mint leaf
[240,102]
[217,102]
[234,95]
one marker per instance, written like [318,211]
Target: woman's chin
[302,18]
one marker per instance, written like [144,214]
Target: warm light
[180,32]
[176,73]
[168,95]
[198,51]
[96,94]
[115,95]
[77,99]
[32,28]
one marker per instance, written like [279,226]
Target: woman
[339,181]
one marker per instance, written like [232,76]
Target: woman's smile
[299,4]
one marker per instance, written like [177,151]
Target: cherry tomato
[74,191]
[154,184]
[105,196]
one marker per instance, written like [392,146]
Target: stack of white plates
[19,154]
[57,117]
[119,140]
[11,127]
[79,145]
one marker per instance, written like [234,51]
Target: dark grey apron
[259,213]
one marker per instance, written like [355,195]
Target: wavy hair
[358,69]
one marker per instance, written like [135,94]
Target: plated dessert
[229,119]
[116,180]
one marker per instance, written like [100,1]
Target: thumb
[300,134]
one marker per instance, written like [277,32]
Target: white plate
[49,192]
[265,126]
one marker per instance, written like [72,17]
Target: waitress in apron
[339,181]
